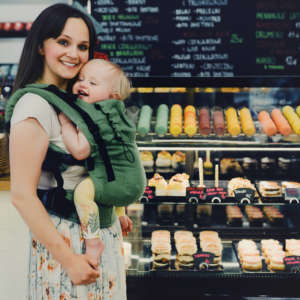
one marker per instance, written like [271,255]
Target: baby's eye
[93,83]
[63,42]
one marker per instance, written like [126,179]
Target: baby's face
[94,83]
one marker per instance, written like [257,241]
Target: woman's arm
[74,139]
[28,147]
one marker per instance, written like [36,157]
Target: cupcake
[178,161]
[159,183]
[147,160]
[163,162]
[178,184]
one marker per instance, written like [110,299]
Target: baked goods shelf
[263,193]
[218,218]
[229,267]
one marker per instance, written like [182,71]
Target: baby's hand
[63,119]
[126,225]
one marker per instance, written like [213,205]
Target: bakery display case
[221,208]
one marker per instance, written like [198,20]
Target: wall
[17,10]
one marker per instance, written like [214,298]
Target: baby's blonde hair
[121,83]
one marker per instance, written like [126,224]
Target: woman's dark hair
[49,24]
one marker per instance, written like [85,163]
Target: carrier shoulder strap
[66,103]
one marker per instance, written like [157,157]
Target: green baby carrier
[114,164]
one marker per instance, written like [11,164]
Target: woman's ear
[41,50]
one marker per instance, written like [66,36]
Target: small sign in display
[202,260]
[148,195]
[292,264]
[216,194]
[195,194]
[244,195]
[292,195]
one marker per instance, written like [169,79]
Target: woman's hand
[80,270]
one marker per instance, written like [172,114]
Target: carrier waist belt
[58,202]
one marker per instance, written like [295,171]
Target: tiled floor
[13,251]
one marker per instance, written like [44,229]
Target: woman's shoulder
[31,105]
[35,100]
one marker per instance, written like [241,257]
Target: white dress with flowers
[47,280]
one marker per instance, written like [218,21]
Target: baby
[98,80]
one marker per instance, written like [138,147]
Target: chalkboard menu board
[201,38]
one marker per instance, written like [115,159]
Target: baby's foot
[94,249]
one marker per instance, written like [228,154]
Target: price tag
[292,195]
[292,264]
[202,260]
[244,195]
[148,194]
[195,194]
[216,194]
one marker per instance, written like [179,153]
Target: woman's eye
[83,47]
[63,42]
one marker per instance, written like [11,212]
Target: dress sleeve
[34,106]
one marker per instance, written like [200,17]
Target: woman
[61,40]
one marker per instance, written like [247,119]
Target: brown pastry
[269,188]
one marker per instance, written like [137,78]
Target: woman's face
[65,55]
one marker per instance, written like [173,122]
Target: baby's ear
[115,96]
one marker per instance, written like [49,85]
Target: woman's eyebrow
[67,36]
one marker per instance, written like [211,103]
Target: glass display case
[242,186]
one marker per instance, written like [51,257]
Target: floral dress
[49,281]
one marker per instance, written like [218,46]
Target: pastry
[234,215]
[281,122]
[252,263]
[266,123]
[177,184]
[237,183]
[254,215]
[159,183]
[218,122]
[161,121]
[247,122]
[186,246]
[144,122]
[176,120]
[147,160]
[289,184]
[161,249]
[178,161]
[292,118]
[208,235]
[269,188]
[163,161]
[273,215]
[276,262]
[190,123]
[204,121]
[233,125]
[182,234]
[230,166]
